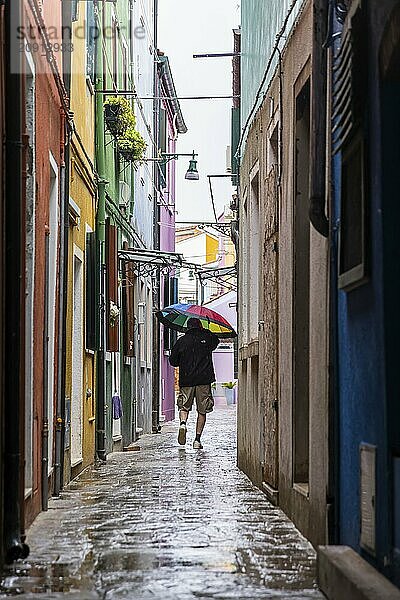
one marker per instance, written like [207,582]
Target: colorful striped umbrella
[176,317]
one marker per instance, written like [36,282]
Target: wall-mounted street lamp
[192,173]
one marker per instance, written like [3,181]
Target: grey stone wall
[265,407]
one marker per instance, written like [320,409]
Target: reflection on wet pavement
[166,523]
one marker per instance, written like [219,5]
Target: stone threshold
[344,575]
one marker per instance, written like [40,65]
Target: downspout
[45,404]
[100,247]
[13,411]
[60,399]
[318,139]
[63,297]
[156,236]
[334,406]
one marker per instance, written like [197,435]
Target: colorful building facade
[80,382]
[171,124]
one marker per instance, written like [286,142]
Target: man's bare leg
[201,421]
[183,416]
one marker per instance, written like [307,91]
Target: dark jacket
[192,353]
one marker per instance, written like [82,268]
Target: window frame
[357,275]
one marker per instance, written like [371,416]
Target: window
[163,147]
[349,110]
[125,66]
[254,257]
[90,41]
[112,285]
[301,303]
[114,42]
[352,264]
[128,308]
[91,291]
[170,297]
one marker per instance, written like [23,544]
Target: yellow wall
[230,254]
[83,194]
[211,249]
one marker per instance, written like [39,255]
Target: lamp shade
[192,173]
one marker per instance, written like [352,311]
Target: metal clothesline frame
[150,261]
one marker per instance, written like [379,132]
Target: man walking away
[192,353]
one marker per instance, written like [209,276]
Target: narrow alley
[199,203]
[168,523]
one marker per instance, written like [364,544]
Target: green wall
[261,22]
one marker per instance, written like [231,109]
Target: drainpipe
[100,245]
[334,404]
[156,238]
[318,139]
[64,232]
[60,399]
[45,406]
[13,410]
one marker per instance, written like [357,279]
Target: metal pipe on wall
[60,399]
[100,250]
[13,392]
[156,366]
[45,407]
[318,120]
[63,297]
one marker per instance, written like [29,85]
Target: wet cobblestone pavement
[166,523]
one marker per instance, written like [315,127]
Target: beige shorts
[203,395]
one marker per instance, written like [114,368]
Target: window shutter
[163,147]
[112,284]
[90,41]
[128,308]
[91,291]
[350,79]
[173,300]
[350,96]
[167,330]
[74,10]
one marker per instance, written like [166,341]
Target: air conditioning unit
[124,194]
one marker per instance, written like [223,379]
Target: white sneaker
[182,435]
[197,445]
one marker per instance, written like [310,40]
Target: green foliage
[229,384]
[130,143]
[122,112]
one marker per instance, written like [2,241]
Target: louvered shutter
[112,284]
[91,291]
[173,300]
[128,308]
[350,80]
[167,330]
[349,136]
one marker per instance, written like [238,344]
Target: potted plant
[118,115]
[131,145]
[229,391]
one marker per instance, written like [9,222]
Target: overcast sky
[188,27]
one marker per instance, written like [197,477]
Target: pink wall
[167,243]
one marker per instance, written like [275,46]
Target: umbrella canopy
[176,317]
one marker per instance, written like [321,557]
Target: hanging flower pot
[131,145]
[128,155]
[118,115]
